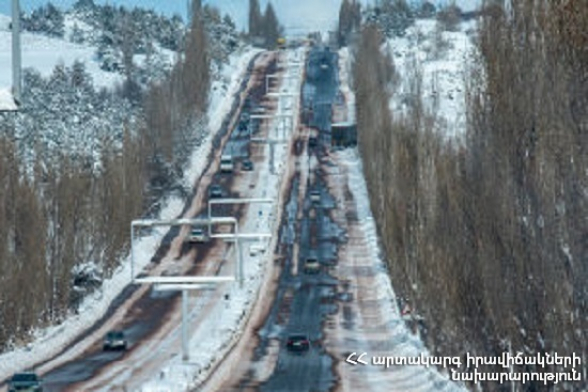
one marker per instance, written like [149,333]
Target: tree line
[486,238]
[67,196]
[264,28]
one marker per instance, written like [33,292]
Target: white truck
[226,164]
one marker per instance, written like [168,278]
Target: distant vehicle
[247,165]
[215,192]
[315,196]
[259,110]
[312,142]
[281,42]
[226,164]
[198,235]
[311,265]
[26,381]
[324,65]
[298,343]
[115,340]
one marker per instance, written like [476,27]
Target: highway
[342,307]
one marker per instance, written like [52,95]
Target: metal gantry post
[240,267]
[185,350]
[16,53]
[132,252]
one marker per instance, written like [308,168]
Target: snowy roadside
[378,326]
[214,337]
[48,342]
[379,329]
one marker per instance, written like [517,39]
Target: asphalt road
[138,324]
[304,300]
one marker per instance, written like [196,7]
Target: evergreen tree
[271,27]
[255,18]
[349,20]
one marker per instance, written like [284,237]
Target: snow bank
[402,342]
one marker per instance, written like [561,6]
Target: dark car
[247,165]
[215,192]
[312,142]
[27,381]
[115,340]
[312,265]
[298,343]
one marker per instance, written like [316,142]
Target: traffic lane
[138,321]
[311,302]
[92,361]
[320,90]
[312,294]
[301,372]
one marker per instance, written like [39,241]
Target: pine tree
[255,18]
[349,20]
[271,27]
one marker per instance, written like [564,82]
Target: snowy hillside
[441,58]
[44,53]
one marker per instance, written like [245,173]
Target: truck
[226,164]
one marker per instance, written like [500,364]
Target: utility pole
[16,53]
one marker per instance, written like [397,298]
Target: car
[26,381]
[312,142]
[215,192]
[247,165]
[197,235]
[315,196]
[311,265]
[259,110]
[226,164]
[298,343]
[115,340]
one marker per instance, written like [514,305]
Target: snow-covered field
[442,69]
[44,53]
[50,341]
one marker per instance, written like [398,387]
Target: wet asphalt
[303,300]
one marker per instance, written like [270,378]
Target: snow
[443,72]
[44,53]
[50,341]
[400,341]
[393,337]
[6,100]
